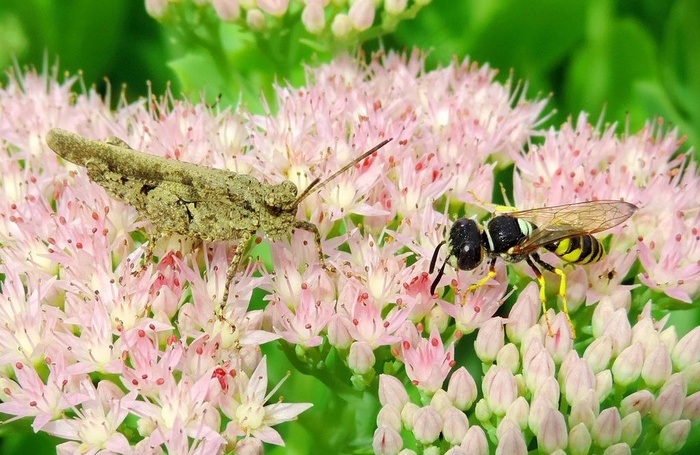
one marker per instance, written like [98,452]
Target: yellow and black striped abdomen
[582,249]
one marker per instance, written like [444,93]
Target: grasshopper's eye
[465,243]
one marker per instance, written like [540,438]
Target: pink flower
[304,323]
[249,415]
[478,307]
[97,421]
[45,402]
[674,268]
[365,320]
[428,363]
[182,406]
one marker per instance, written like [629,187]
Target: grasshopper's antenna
[317,184]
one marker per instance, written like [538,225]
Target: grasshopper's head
[278,208]
[281,198]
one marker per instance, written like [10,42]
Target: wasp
[565,230]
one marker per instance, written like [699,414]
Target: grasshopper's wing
[566,221]
[116,156]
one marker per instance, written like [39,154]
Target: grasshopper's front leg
[312,228]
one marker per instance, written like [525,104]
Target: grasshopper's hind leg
[148,254]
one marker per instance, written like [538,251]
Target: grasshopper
[196,201]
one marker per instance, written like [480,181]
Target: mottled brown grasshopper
[196,201]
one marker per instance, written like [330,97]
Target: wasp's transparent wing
[565,221]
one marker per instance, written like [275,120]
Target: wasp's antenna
[317,184]
[432,267]
[435,254]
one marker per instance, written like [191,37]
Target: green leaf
[602,75]
[200,78]
[681,66]
[553,27]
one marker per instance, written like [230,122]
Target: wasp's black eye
[465,243]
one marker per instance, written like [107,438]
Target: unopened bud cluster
[539,388]
[340,18]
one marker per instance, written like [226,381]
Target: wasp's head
[465,243]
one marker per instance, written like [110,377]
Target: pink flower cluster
[89,337]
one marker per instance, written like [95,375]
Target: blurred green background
[633,60]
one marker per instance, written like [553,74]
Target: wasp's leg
[491,274]
[307,226]
[562,290]
[543,295]
[494,207]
